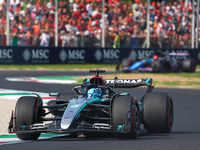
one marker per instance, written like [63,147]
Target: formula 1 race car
[95,108]
[160,62]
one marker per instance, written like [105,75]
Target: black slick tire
[125,63]
[189,65]
[26,113]
[156,66]
[122,107]
[158,112]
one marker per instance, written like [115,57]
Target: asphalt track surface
[185,133]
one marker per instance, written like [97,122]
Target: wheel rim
[137,118]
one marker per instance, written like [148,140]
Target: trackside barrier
[78,55]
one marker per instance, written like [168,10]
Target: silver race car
[96,108]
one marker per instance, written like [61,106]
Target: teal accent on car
[84,105]
[74,106]
[23,127]
[56,94]
[124,93]
[90,102]
[119,127]
[141,107]
[148,80]
[95,100]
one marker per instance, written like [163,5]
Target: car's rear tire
[125,114]
[189,65]
[125,63]
[26,113]
[158,112]
[156,66]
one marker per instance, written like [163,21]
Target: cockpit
[93,91]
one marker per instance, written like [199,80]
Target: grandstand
[32,23]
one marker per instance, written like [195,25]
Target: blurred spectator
[116,41]
[30,6]
[15,39]
[49,4]
[52,39]
[44,38]
[22,38]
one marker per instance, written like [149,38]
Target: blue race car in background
[160,62]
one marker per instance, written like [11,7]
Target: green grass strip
[42,135]
[59,66]
[64,66]
[5,94]
[185,75]
[8,136]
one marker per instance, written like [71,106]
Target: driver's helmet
[94,93]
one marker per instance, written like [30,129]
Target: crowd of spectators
[80,23]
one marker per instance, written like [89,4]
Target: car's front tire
[26,113]
[125,114]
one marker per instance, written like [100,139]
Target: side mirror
[57,94]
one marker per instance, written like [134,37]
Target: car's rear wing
[131,83]
[178,54]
